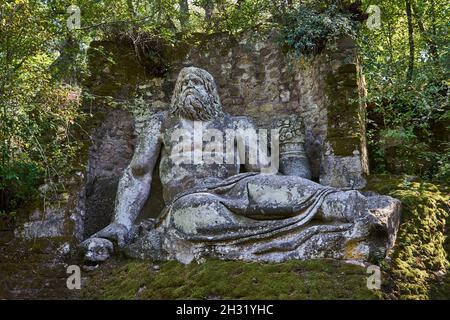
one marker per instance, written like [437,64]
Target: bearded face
[195,96]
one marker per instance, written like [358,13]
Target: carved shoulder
[149,145]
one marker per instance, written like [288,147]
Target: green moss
[344,146]
[343,110]
[420,254]
[417,269]
[28,270]
[318,279]
[348,68]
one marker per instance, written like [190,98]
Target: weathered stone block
[49,223]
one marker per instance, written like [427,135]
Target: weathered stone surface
[344,160]
[254,79]
[97,249]
[342,171]
[387,210]
[369,238]
[44,224]
[215,209]
[113,146]
[109,154]
[292,154]
[147,243]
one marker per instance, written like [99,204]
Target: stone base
[43,224]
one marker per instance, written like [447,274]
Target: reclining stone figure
[214,209]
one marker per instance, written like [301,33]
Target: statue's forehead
[193,72]
[192,75]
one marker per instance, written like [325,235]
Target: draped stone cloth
[235,218]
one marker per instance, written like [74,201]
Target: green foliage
[307,29]
[38,109]
[319,279]
[408,118]
[234,17]
[18,184]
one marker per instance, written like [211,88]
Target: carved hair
[200,110]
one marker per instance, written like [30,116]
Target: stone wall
[255,78]
[111,150]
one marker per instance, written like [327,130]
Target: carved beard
[196,105]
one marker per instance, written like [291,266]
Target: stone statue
[229,209]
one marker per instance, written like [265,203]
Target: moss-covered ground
[215,279]
[417,269]
[29,270]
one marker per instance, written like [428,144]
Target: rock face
[224,201]
[44,224]
[109,154]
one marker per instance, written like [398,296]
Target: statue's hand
[115,232]
[99,246]
[97,249]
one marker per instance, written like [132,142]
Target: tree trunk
[209,8]
[391,46]
[425,35]
[433,29]
[410,40]
[184,14]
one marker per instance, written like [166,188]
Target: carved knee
[345,206]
